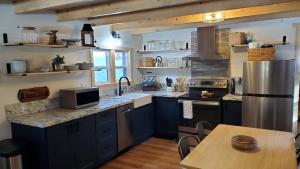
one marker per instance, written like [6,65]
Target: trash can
[10,155]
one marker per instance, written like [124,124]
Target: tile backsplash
[210,68]
[114,91]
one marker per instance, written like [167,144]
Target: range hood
[204,45]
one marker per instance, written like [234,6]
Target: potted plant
[57,63]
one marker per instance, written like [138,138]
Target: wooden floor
[154,153]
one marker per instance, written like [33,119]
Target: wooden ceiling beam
[30,6]
[229,14]
[119,7]
[226,22]
[182,10]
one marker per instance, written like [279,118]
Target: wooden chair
[297,148]
[201,127]
[184,146]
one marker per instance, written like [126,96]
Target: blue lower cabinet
[71,145]
[68,145]
[143,123]
[166,117]
[232,112]
[106,136]
[83,143]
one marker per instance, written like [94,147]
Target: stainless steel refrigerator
[268,95]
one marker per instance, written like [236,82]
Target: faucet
[120,87]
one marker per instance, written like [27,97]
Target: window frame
[112,82]
[106,67]
[127,68]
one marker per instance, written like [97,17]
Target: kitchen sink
[139,99]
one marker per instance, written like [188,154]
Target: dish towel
[187,109]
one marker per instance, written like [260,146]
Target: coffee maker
[236,86]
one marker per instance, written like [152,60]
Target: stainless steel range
[205,96]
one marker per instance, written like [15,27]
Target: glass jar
[30,35]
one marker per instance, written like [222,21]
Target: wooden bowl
[243,142]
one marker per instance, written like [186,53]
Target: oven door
[209,111]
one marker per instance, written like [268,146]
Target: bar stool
[10,155]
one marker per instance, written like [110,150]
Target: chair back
[184,146]
[200,126]
[297,139]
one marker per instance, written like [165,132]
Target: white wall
[297,27]
[264,31]
[176,35]
[37,57]
[133,42]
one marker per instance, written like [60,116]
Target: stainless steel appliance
[268,95]
[125,126]
[205,108]
[77,98]
[203,45]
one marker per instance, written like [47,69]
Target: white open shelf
[163,51]
[47,46]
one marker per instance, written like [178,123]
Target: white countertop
[49,118]
[56,116]
[231,97]
[165,93]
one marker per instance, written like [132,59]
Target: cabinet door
[166,117]
[60,151]
[232,112]
[143,121]
[84,142]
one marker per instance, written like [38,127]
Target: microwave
[77,98]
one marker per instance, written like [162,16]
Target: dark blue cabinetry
[71,145]
[166,117]
[232,112]
[143,123]
[91,141]
[79,144]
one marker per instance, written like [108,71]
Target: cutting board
[33,94]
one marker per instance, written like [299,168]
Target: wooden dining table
[275,150]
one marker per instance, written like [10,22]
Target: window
[113,63]
[101,60]
[121,62]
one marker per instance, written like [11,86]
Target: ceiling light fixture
[213,17]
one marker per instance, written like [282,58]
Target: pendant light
[213,17]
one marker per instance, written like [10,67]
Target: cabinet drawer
[106,148]
[106,128]
[104,117]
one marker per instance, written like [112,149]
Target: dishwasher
[125,127]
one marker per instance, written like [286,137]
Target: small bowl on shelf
[243,142]
[71,42]
[44,69]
